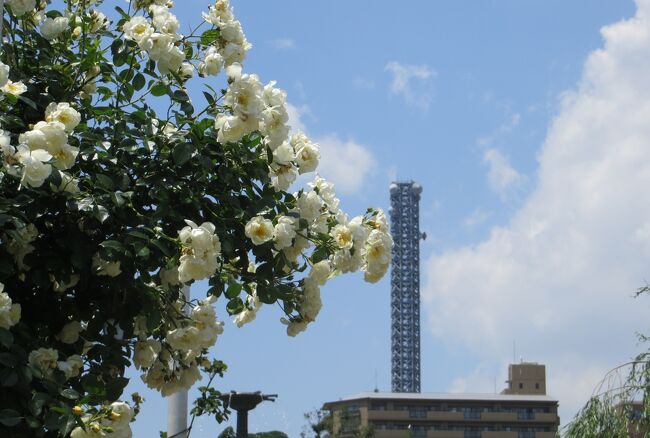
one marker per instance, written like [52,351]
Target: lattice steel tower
[405,286]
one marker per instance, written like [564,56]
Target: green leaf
[6,338]
[104,181]
[235,306]
[182,153]
[180,96]
[112,244]
[139,81]
[70,393]
[9,417]
[66,424]
[159,90]
[8,359]
[233,290]
[209,36]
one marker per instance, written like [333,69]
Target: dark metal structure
[405,286]
[242,402]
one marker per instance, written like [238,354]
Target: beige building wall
[526,378]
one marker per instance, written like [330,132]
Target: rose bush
[116,192]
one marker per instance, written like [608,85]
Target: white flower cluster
[9,311]
[158,38]
[254,107]
[173,365]
[47,360]
[231,45]
[118,421]
[201,249]
[105,268]
[8,86]
[363,243]
[44,146]
[51,28]
[20,244]
[21,7]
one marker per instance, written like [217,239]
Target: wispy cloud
[282,43]
[559,276]
[503,179]
[412,82]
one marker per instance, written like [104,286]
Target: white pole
[177,403]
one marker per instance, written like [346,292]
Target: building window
[521,386]
[536,385]
[420,432]
[417,412]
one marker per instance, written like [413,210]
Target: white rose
[69,334]
[342,236]
[274,126]
[106,268]
[72,366]
[344,261]
[274,97]
[307,156]
[232,32]
[309,205]
[193,267]
[296,327]
[145,353]
[259,230]
[45,359]
[4,74]
[232,128]
[171,60]
[163,20]
[99,21]
[20,7]
[63,113]
[53,27]
[378,247]
[283,176]
[311,302]
[244,97]
[121,414]
[187,70]
[299,245]
[212,63]
[184,338]
[138,29]
[219,14]
[9,312]
[284,232]
[284,154]
[202,239]
[250,312]
[320,272]
[15,88]
[35,171]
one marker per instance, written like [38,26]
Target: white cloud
[363,83]
[502,177]
[477,217]
[412,82]
[347,164]
[283,43]
[558,278]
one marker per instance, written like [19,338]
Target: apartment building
[515,413]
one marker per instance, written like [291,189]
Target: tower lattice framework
[405,286]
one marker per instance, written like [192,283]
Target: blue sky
[528,130]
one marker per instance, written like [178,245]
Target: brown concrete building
[518,414]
